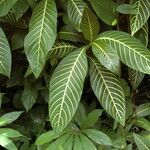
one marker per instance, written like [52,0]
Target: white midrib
[76,7]
[68,80]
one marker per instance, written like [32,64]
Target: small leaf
[143,123]
[98,136]
[126,9]
[143,110]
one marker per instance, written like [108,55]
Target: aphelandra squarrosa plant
[78,42]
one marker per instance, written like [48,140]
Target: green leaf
[69,143]
[91,119]
[10,133]
[105,9]
[7,143]
[59,50]
[141,142]
[98,136]
[5,55]
[29,95]
[107,56]
[143,123]
[130,50]
[66,87]
[1,98]
[42,35]
[9,117]
[142,8]
[77,143]
[143,110]
[119,143]
[89,25]
[5,6]
[75,10]
[107,88]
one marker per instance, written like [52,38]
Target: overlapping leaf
[75,10]
[130,51]
[66,87]
[108,91]
[42,35]
[142,14]
[143,110]
[5,55]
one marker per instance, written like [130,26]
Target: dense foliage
[74,75]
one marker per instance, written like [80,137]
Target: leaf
[5,55]
[143,110]
[29,95]
[66,87]
[131,52]
[143,123]
[69,143]
[91,119]
[1,98]
[42,35]
[89,25]
[77,143]
[59,50]
[141,142]
[97,136]
[9,117]
[75,10]
[7,143]
[141,16]
[119,143]
[5,6]
[107,56]
[107,88]
[105,9]
[10,133]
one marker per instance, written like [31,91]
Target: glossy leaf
[66,87]
[42,35]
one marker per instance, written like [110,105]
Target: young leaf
[143,123]
[105,9]
[89,25]
[5,6]
[77,143]
[98,136]
[130,50]
[42,35]
[107,88]
[75,10]
[107,56]
[9,117]
[7,143]
[141,142]
[66,87]
[142,8]
[5,55]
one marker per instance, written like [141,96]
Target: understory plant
[74,74]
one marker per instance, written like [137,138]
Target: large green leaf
[66,87]
[75,10]
[42,35]
[89,25]
[5,6]
[141,142]
[5,55]
[107,88]
[107,56]
[130,50]
[142,8]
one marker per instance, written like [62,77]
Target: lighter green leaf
[89,25]
[77,143]
[143,123]
[5,6]
[130,50]
[143,110]
[142,8]
[5,55]
[107,88]
[141,142]
[66,87]
[75,10]
[42,35]
[107,56]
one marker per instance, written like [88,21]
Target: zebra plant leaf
[5,55]
[107,56]
[75,10]
[142,14]
[66,87]
[42,35]
[130,50]
[5,6]
[89,24]
[108,90]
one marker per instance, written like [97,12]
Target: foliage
[74,75]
